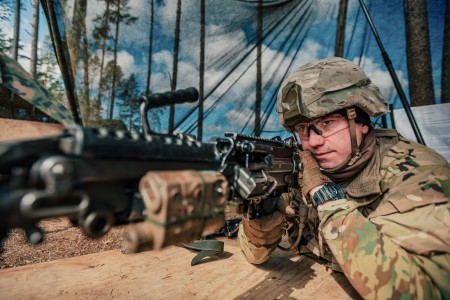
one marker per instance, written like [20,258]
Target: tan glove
[283,204]
[310,175]
[266,231]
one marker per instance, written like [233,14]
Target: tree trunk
[202,71]
[445,77]
[340,29]
[102,63]
[418,55]
[34,38]
[130,118]
[150,49]
[175,65]
[259,40]
[74,37]
[116,40]
[15,45]
[85,55]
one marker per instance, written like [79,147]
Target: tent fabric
[22,84]
[286,35]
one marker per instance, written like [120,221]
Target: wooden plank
[167,274]
[19,129]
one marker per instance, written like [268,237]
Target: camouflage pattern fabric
[401,249]
[324,86]
[18,81]
[391,236]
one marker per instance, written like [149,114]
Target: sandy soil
[62,240]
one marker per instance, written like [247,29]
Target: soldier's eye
[328,122]
[302,128]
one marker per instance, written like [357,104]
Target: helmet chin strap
[356,154]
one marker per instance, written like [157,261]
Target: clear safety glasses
[325,126]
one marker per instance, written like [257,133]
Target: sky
[305,31]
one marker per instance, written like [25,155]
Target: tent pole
[340,29]
[175,66]
[259,40]
[202,71]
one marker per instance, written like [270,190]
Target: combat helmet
[326,86]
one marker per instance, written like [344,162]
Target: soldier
[381,201]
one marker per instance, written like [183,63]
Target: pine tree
[421,91]
[5,10]
[101,35]
[5,15]
[34,38]
[130,100]
[16,38]
[121,15]
[5,42]
[48,72]
[109,73]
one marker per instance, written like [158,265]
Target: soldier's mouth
[321,154]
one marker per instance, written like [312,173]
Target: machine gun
[174,187]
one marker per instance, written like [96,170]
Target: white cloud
[272,123]
[214,129]
[239,118]
[126,61]
[323,10]
[136,8]
[7,28]
[161,80]
[94,8]
[163,59]
[309,52]
[380,77]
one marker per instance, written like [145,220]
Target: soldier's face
[331,150]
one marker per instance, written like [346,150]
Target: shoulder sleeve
[415,208]
[376,266]
[402,248]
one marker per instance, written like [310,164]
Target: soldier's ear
[364,129]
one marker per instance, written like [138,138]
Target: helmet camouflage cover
[325,86]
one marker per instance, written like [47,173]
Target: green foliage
[48,73]
[129,94]
[121,14]
[6,9]
[5,42]
[107,81]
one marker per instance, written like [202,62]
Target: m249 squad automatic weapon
[174,187]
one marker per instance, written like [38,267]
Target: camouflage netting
[31,100]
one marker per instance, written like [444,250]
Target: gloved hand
[310,175]
[266,231]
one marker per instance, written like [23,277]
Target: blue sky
[230,29]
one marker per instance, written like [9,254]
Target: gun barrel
[169,98]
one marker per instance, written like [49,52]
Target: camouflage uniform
[392,238]
[391,235]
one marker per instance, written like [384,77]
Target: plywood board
[167,274]
[19,130]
